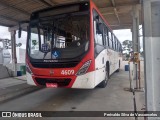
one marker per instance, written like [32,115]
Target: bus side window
[113,42]
[106,36]
[120,48]
[117,45]
[98,33]
[110,39]
[99,36]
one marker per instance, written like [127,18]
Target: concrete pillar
[13,49]
[151,9]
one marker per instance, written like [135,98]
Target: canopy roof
[117,12]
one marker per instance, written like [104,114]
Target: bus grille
[60,82]
[54,65]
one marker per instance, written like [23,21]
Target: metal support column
[151,10]
[135,38]
[135,33]
[14,57]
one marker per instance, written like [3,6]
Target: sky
[4,32]
[124,34]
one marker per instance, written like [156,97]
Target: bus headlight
[28,69]
[84,68]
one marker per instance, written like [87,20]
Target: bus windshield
[62,36]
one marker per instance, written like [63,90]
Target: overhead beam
[46,3]
[113,3]
[115,10]
[43,2]
[51,2]
[120,9]
[121,25]
[16,27]
[8,18]
[14,8]
[6,25]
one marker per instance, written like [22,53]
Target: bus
[71,46]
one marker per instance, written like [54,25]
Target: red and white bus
[71,46]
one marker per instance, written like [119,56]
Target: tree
[7,43]
[127,46]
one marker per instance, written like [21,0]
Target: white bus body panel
[108,55]
[30,81]
[85,81]
[100,63]
[113,60]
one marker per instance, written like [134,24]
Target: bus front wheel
[103,84]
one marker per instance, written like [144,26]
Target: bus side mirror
[19,32]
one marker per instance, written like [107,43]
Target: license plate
[51,85]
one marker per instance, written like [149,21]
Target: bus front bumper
[85,81]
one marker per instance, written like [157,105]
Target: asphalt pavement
[111,98]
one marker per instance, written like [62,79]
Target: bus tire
[108,69]
[103,84]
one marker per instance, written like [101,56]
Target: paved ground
[14,87]
[111,98]
[8,82]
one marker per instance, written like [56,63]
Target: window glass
[117,45]
[34,43]
[99,37]
[120,48]
[110,35]
[98,31]
[110,39]
[106,36]
[60,37]
[113,42]
[110,43]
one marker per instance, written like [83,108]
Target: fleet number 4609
[67,72]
